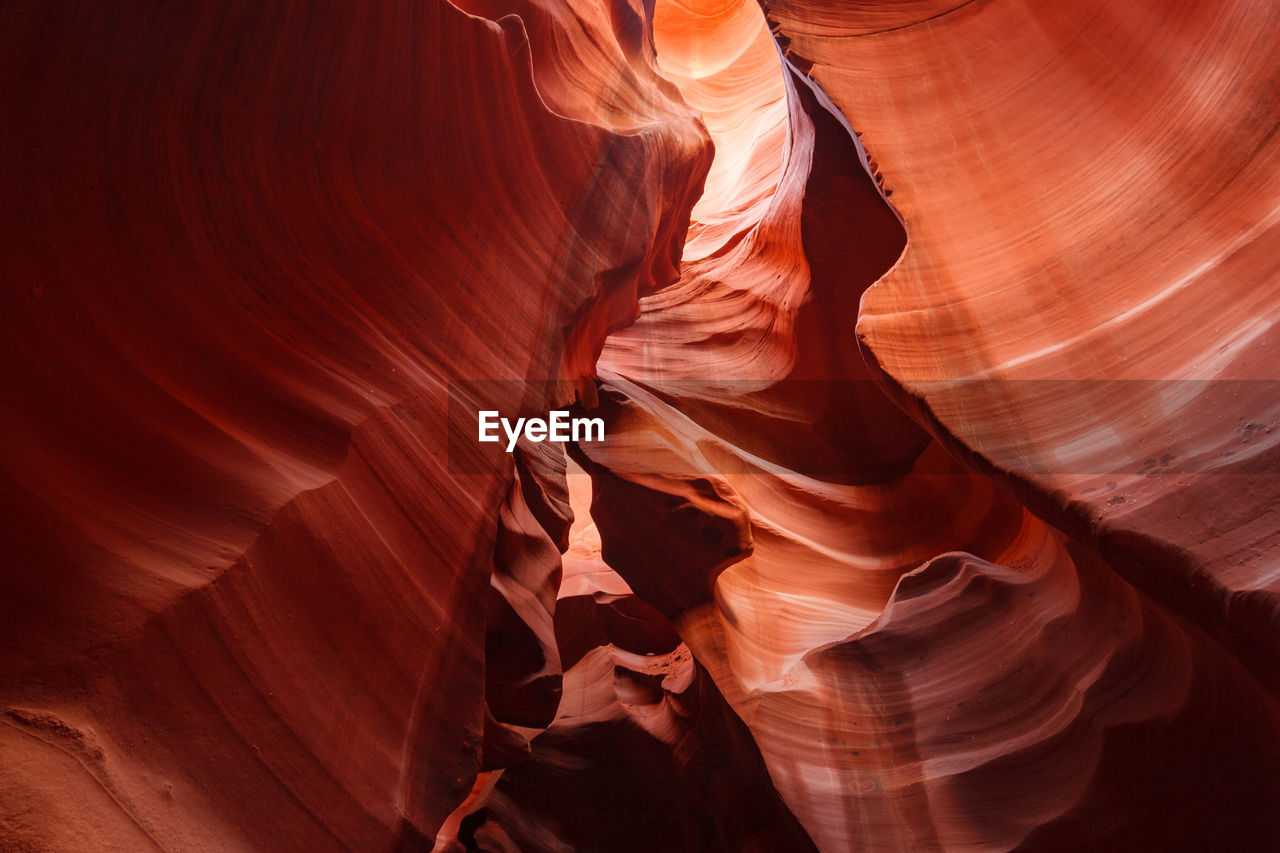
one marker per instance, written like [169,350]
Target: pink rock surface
[1090,194]
[245,605]
[937,505]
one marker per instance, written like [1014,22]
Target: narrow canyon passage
[937,506]
[757,489]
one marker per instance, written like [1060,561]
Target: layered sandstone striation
[937,507]
[1088,297]
[246,250]
[923,659]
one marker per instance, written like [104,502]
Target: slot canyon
[935,343]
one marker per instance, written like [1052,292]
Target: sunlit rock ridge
[938,500]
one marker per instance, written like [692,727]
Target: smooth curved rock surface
[1090,193]
[246,598]
[937,508]
[1014,718]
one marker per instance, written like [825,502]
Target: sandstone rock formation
[938,506]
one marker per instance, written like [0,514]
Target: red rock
[248,248]
[862,725]
[1090,197]
[937,505]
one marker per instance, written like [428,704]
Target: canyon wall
[937,506]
